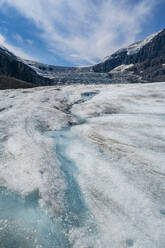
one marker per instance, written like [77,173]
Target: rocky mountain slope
[146,59]
[13,69]
[140,62]
[7,82]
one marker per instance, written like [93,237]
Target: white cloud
[19,52]
[89,30]
[18,38]
[14,49]
[2,39]
[30,42]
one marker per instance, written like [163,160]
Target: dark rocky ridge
[148,61]
[12,67]
[147,64]
[14,83]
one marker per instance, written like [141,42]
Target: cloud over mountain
[84,30]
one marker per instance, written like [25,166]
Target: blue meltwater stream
[24,224]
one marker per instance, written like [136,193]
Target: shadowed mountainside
[147,59]
[14,83]
[12,68]
[141,62]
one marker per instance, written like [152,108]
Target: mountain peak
[134,47]
[140,62]
[146,56]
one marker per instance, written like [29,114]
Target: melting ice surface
[24,225]
[96,184]
[78,223]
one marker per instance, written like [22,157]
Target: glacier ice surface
[83,166]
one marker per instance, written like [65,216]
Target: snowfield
[83,166]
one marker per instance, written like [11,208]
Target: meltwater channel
[24,224]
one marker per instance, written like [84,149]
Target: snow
[135,47]
[7,51]
[121,68]
[101,179]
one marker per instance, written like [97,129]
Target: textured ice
[87,162]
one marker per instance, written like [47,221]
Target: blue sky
[76,32]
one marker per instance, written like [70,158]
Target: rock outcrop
[14,83]
[141,62]
[12,67]
[147,58]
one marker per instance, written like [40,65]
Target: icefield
[83,166]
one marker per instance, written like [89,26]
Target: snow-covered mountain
[141,62]
[14,73]
[145,58]
[135,47]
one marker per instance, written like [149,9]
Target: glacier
[83,166]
